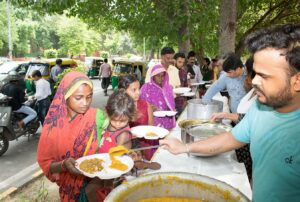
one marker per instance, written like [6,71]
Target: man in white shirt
[43,91]
[194,72]
[167,54]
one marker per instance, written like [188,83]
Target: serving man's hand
[174,145]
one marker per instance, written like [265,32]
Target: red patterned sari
[61,138]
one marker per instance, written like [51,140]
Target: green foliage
[104,54]
[160,22]
[42,193]
[50,53]
[61,75]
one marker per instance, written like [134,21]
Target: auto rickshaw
[126,67]
[93,65]
[45,68]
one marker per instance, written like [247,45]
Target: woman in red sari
[144,110]
[71,130]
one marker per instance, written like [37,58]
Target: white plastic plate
[164,113]
[107,172]
[189,94]
[198,84]
[181,90]
[142,131]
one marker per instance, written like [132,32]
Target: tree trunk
[152,53]
[184,39]
[227,27]
[183,32]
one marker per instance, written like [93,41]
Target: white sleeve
[39,91]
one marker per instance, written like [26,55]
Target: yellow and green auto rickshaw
[45,67]
[93,65]
[126,67]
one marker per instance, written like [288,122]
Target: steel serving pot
[197,110]
[199,129]
[175,184]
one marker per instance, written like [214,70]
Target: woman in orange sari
[71,130]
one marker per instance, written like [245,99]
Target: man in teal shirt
[272,125]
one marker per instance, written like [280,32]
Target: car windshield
[7,67]
[122,68]
[38,66]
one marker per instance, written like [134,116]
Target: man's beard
[281,99]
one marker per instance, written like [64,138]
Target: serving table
[223,167]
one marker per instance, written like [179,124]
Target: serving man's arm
[214,145]
[216,87]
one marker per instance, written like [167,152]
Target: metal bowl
[196,129]
[175,184]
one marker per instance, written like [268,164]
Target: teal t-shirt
[275,149]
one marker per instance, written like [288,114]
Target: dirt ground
[40,190]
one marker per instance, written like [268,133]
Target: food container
[175,184]
[197,110]
[196,129]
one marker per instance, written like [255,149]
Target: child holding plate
[120,110]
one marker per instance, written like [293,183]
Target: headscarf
[161,97]
[62,138]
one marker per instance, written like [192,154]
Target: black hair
[179,55]
[214,60]
[105,60]
[207,61]
[232,63]
[286,37]
[36,73]
[249,67]
[125,81]
[191,54]
[120,104]
[167,50]
[58,61]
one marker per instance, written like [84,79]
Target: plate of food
[149,132]
[164,113]
[104,166]
[181,90]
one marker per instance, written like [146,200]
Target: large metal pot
[175,184]
[197,110]
[196,129]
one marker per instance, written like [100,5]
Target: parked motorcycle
[8,124]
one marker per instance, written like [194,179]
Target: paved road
[22,153]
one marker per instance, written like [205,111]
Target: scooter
[8,124]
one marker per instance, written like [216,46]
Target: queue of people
[264,104]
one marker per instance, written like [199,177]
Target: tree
[258,14]
[227,28]
[4,31]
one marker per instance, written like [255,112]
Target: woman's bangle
[187,149]
[62,166]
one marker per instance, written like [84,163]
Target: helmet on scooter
[13,76]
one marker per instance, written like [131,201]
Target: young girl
[120,109]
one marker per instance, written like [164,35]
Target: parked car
[93,65]
[45,68]
[3,60]
[19,67]
[126,67]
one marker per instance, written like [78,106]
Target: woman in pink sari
[159,93]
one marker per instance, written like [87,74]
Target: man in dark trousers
[104,74]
